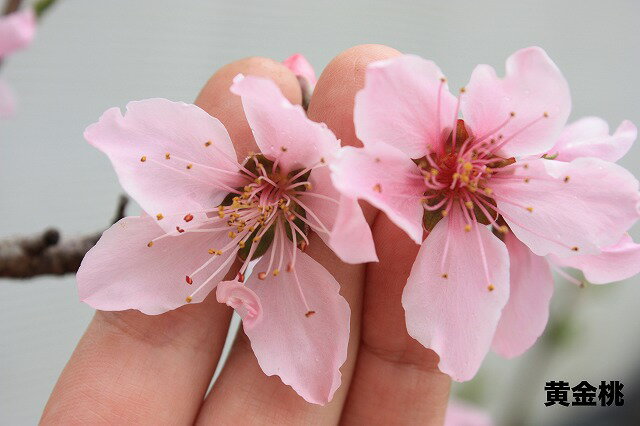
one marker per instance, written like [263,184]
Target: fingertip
[216,98]
[334,95]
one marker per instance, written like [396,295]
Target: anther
[188,299]
[208,143]
[566,179]
[189,166]
[377,187]
[468,204]
[377,159]
[240,277]
[490,287]
[443,80]
[467,228]
[159,216]
[276,272]
[526,166]
[526,180]
[289,268]
[211,251]
[283,148]
[143,158]
[575,248]
[262,275]
[150,244]
[445,212]
[180,230]
[188,280]
[232,234]
[445,276]
[308,314]
[241,244]
[463,90]
[167,156]
[529,209]
[546,114]
[322,160]
[188,217]
[512,113]
[503,229]
[488,191]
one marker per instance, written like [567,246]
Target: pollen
[143,158]
[377,187]
[490,287]
[529,209]
[167,156]
[467,228]
[208,143]
[188,299]
[468,204]
[159,216]
[188,217]
[566,179]
[308,314]
[262,275]
[575,248]
[189,166]
[150,244]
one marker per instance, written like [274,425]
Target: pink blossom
[488,171]
[204,209]
[299,65]
[17,30]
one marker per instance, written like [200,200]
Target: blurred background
[92,55]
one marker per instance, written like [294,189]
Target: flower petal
[245,302]
[589,137]
[463,414]
[17,30]
[194,176]
[399,105]
[299,65]
[7,101]
[305,349]
[457,316]
[616,262]
[282,130]
[386,178]
[122,272]
[349,235]
[525,315]
[576,207]
[533,86]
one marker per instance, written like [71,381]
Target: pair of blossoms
[17,31]
[503,195]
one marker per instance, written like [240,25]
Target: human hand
[133,368]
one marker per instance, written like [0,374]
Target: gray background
[91,55]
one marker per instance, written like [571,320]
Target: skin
[130,368]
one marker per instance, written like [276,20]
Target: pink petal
[463,414]
[305,349]
[243,300]
[299,65]
[349,234]
[578,207]
[122,272]
[282,130]
[589,137]
[7,101]
[17,30]
[457,316]
[365,173]
[616,262]
[399,105]
[153,128]
[525,315]
[533,86]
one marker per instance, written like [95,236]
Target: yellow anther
[467,166]
[377,187]
[434,171]
[468,204]
[488,191]
[488,170]
[504,229]
[467,228]
[463,90]
[546,114]
[491,287]
[464,178]
[143,158]
[232,234]
[241,244]
[150,244]
[526,180]
[276,272]
[208,143]
[456,175]
[211,251]
[575,248]
[189,166]
[247,188]
[566,179]
[308,186]
[167,156]
[188,299]
[445,275]
[530,209]
[159,216]
[445,212]
[512,113]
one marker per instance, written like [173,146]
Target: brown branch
[45,254]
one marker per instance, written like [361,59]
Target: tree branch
[45,254]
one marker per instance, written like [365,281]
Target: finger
[132,368]
[243,391]
[396,379]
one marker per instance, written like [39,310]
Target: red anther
[308,314]
[188,280]
[180,230]
[262,275]
[240,277]
[188,218]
